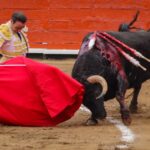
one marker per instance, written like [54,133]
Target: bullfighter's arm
[5,34]
[1,42]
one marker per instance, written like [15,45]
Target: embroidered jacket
[12,44]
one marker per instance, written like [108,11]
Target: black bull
[91,62]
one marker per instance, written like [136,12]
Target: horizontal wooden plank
[52,36]
[122,4]
[83,26]
[58,46]
[24,4]
[119,4]
[80,26]
[40,14]
[38,25]
[99,14]
[34,4]
[45,25]
[64,46]
[71,4]
[73,14]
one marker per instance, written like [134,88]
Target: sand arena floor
[74,135]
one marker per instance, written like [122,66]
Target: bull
[104,81]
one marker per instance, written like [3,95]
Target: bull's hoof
[133,109]
[126,117]
[127,121]
[91,122]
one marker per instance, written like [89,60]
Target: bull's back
[137,40]
[140,41]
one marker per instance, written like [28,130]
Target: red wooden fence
[63,23]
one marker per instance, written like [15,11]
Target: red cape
[36,94]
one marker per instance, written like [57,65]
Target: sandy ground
[73,134]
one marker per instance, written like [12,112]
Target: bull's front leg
[120,95]
[91,121]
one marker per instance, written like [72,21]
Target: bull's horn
[99,79]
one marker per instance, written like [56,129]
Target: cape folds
[36,94]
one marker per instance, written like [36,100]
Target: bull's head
[94,96]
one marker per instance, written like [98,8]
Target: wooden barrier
[63,23]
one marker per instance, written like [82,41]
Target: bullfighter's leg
[134,102]
[120,95]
